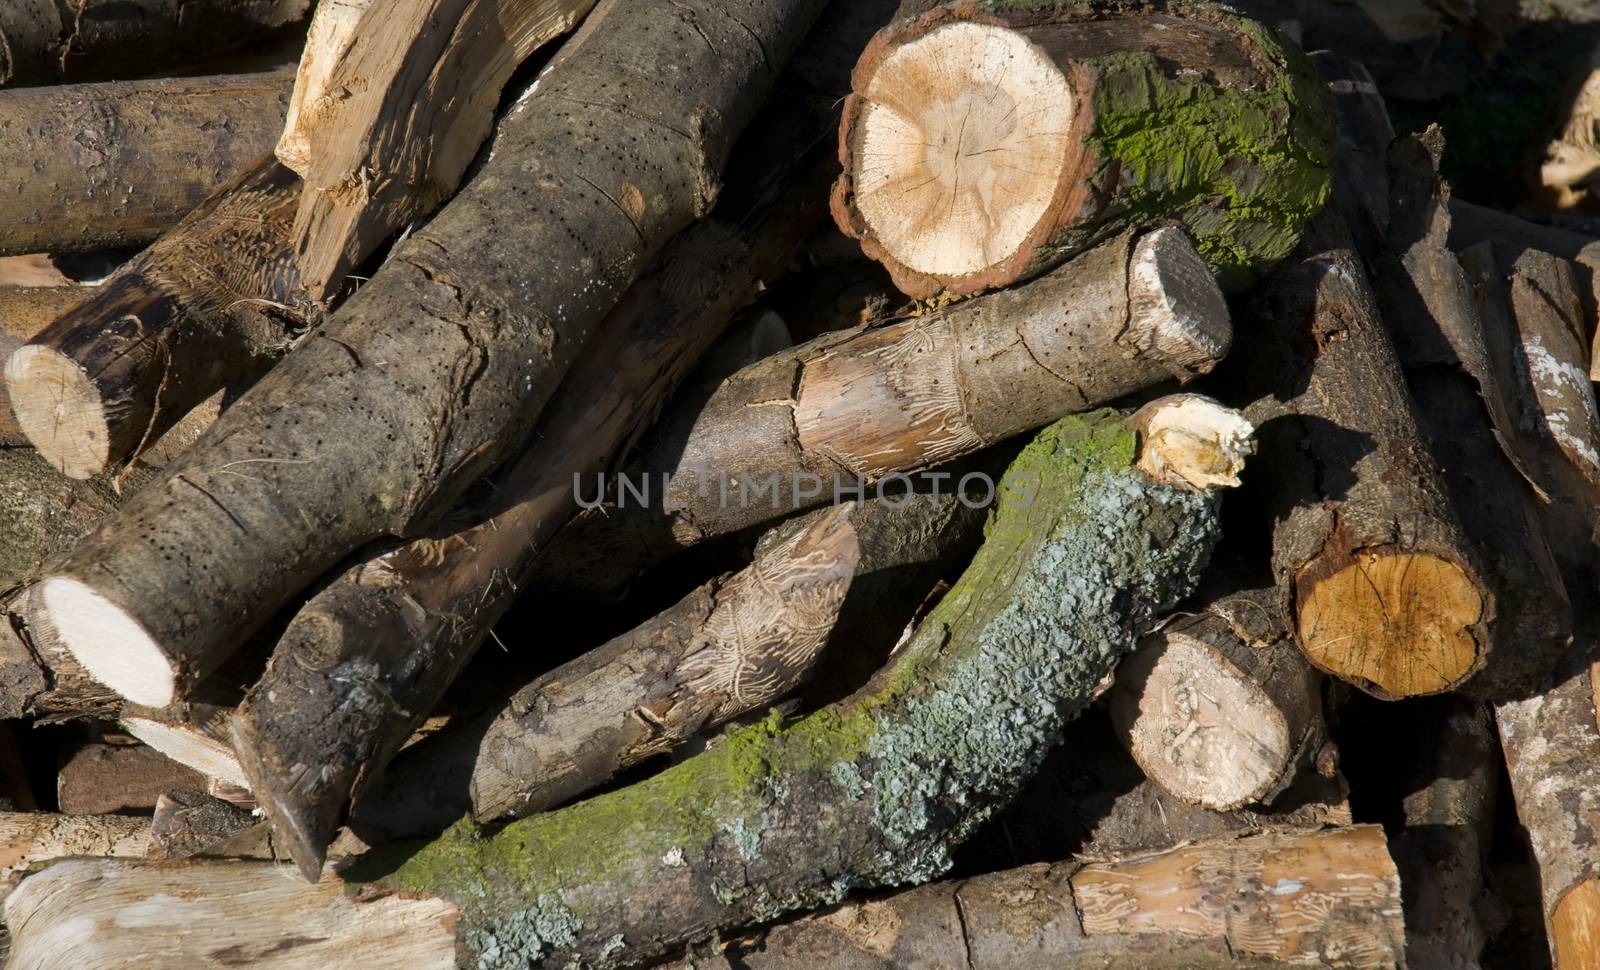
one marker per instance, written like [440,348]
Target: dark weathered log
[99,779]
[1221,708]
[42,514]
[986,142]
[392,103]
[1156,912]
[102,165]
[852,409]
[1381,586]
[370,429]
[30,839]
[187,822]
[1083,554]
[43,42]
[215,301]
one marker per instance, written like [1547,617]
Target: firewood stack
[780,483]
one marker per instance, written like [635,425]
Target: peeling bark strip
[785,432]
[418,83]
[47,42]
[1552,749]
[29,839]
[215,301]
[1381,586]
[987,141]
[126,161]
[1221,708]
[406,620]
[1321,898]
[887,780]
[370,429]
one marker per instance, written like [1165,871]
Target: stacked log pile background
[797,483]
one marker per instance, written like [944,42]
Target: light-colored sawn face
[964,137]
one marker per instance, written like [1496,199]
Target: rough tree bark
[1107,115]
[1381,587]
[42,515]
[370,429]
[215,301]
[418,82]
[1221,708]
[43,42]
[187,822]
[1158,912]
[871,791]
[866,406]
[104,165]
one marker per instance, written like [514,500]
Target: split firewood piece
[126,161]
[907,545]
[215,301]
[1221,708]
[1442,849]
[193,734]
[1568,172]
[102,778]
[29,839]
[390,110]
[406,619]
[1533,320]
[1381,587]
[984,143]
[1072,571]
[187,822]
[365,431]
[1552,748]
[1328,899]
[108,40]
[852,409]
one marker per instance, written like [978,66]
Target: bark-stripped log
[97,166]
[43,42]
[372,429]
[871,791]
[985,142]
[187,822]
[389,111]
[1381,587]
[1552,747]
[192,734]
[866,406]
[1328,899]
[406,619]
[26,310]
[29,839]
[102,778]
[215,301]
[1221,708]
[907,546]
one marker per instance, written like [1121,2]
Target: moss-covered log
[1083,554]
[988,140]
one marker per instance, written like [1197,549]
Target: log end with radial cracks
[1191,441]
[106,639]
[59,408]
[1397,623]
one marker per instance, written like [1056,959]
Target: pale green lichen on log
[889,779]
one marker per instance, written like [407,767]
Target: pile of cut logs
[703,483]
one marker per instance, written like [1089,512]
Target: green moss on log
[1082,556]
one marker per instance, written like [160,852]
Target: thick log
[1057,127]
[187,822]
[852,409]
[369,429]
[103,165]
[1329,899]
[1381,587]
[107,40]
[215,301]
[103,778]
[1221,708]
[1073,569]
[417,84]
[29,839]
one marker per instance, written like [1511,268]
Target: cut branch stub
[986,142]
